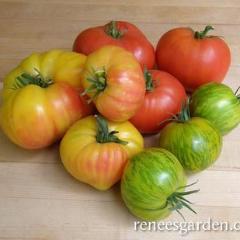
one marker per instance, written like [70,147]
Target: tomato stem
[183,116]
[203,34]
[148,80]
[112,30]
[27,79]
[177,200]
[98,83]
[103,134]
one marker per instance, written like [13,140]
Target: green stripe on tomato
[150,177]
[196,143]
[217,103]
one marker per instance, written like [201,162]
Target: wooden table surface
[38,199]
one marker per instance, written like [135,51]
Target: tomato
[193,57]
[57,65]
[38,105]
[122,34]
[163,98]
[114,80]
[95,151]
[194,141]
[153,184]
[217,103]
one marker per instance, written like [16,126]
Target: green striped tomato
[195,142]
[217,103]
[149,183]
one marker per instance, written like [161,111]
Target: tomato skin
[217,103]
[98,164]
[196,143]
[57,65]
[160,104]
[148,180]
[125,85]
[34,117]
[193,61]
[132,40]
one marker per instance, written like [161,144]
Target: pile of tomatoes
[100,98]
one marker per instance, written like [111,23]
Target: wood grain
[38,199]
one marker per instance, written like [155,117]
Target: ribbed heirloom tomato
[114,80]
[56,65]
[118,33]
[95,151]
[41,98]
[164,97]
[194,58]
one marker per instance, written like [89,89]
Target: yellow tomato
[41,98]
[56,65]
[95,151]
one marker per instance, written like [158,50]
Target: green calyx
[27,79]
[177,200]
[203,34]
[148,80]
[183,116]
[112,30]
[98,82]
[103,134]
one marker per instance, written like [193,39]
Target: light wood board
[38,199]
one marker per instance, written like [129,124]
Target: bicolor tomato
[194,141]
[114,80]
[217,103]
[153,185]
[41,98]
[95,151]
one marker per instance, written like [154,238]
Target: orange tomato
[95,151]
[114,80]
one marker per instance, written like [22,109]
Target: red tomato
[164,98]
[122,34]
[193,57]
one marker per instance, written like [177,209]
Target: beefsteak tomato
[38,104]
[194,58]
[118,33]
[95,151]
[164,97]
[57,65]
[114,80]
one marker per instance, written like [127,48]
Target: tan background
[38,199]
